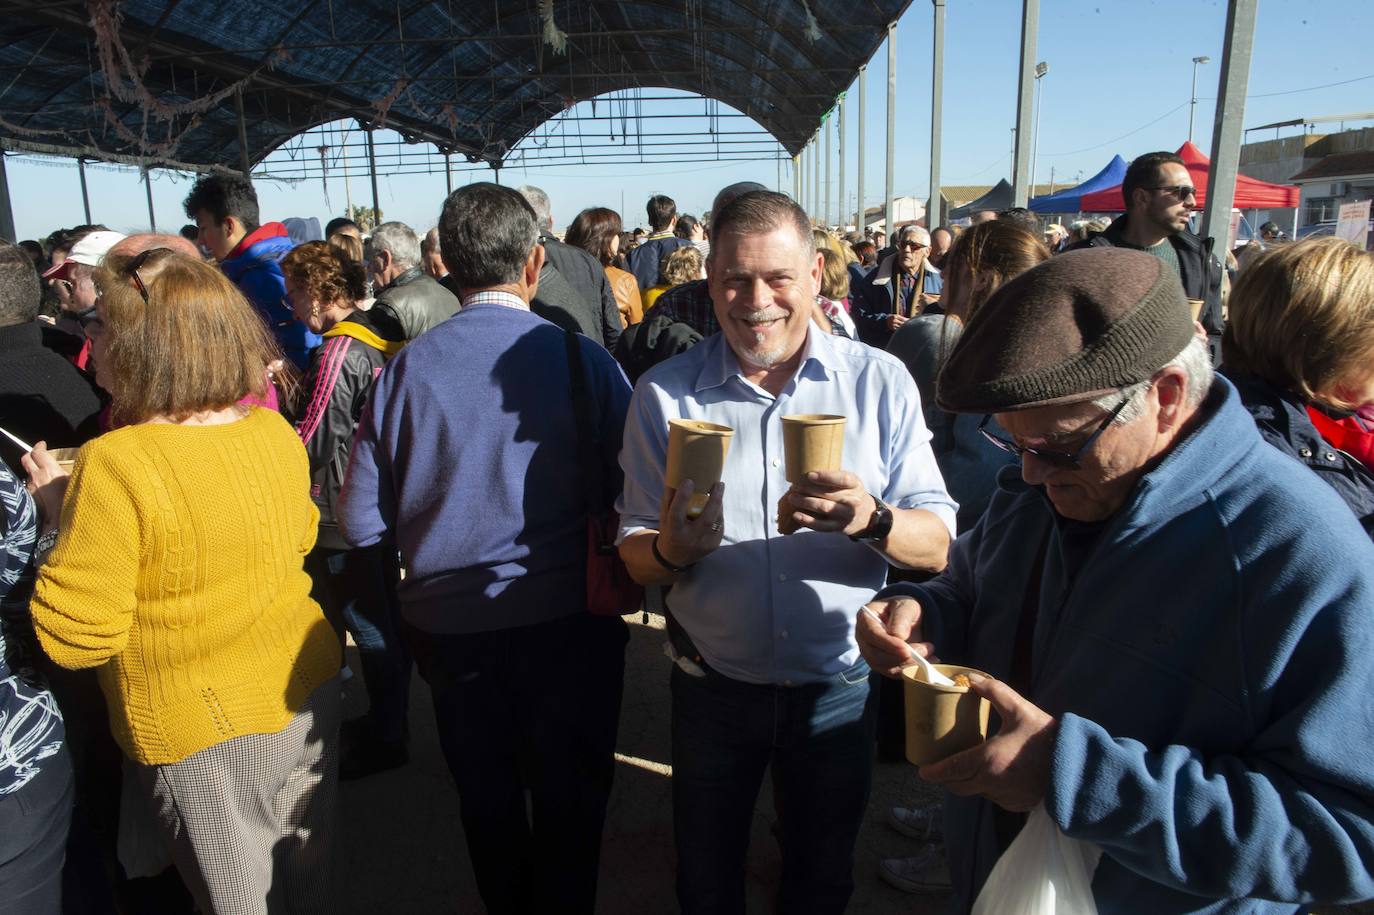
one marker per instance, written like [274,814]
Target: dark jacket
[659,337]
[585,274]
[1198,267]
[416,301]
[874,300]
[645,260]
[255,267]
[43,397]
[340,377]
[1283,422]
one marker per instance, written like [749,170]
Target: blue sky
[1119,81]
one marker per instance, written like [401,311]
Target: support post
[496,172]
[244,163]
[829,127]
[372,173]
[935,207]
[85,193]
[6,207]
[816,181]
[1228,125]
[1020,179]
[796,177]
[448,174]
[888,214]
[844,219]
[863,125]
[148,187]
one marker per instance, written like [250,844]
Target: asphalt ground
[404,852]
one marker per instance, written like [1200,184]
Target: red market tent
[1251,193]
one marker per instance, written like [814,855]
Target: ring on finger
[717,526]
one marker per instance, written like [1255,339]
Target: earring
[315,310]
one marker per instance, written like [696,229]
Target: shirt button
[1330,456]
[783,634]
[782,577]
[776,462]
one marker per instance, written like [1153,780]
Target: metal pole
[448,174]
[828,127]
[1227,127]
[843,220]
[148,186]
[1030,17]
[1192,104]
[859,216]
[796,177]
[1035,139]
[6,209]
[372,173]
[496,172]
[243,133]
[891,128]
[816,214]
[85,194]
[935,208]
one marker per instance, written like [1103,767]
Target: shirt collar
[496,297]
[819,360]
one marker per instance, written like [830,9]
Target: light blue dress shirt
[764,607]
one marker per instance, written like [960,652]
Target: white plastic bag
[1044,872]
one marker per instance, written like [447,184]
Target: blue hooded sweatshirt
[255,267]
[1209,666]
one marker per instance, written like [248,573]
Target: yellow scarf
[388,348]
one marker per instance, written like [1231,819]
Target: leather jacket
[416,301]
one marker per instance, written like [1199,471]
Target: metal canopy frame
[190,84]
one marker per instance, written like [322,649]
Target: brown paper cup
[812,441]
[1196,306]
[941,720]
[65,457]
[696,452]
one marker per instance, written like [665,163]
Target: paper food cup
[1196,306]
[696,452]
[942,720]
[812,441]
[65,457]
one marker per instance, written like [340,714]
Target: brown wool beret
[1078,326]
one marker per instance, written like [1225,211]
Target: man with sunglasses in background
[904,284]
[1181,658]
[1160,199]
[72,277]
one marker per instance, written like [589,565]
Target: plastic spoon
[932,675]
[17,440]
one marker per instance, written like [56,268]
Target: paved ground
[404,844]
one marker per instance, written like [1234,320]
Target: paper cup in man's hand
[812,441]
[65,457]
[942,720]
[696,452]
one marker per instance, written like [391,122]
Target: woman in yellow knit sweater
[178,574]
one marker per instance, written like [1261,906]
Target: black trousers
[536,709]
[33,840]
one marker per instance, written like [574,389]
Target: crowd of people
[1130,485]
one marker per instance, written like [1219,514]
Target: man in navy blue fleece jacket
[466,456]
[1177,615]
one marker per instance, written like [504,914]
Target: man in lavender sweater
[466,455]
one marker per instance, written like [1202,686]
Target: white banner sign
[1352,223]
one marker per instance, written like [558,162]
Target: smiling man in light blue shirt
[772,615]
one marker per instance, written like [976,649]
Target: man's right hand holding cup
[682,539]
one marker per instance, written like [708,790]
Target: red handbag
[610,589]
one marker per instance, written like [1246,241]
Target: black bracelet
[653,545]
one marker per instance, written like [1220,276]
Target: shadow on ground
[404,850]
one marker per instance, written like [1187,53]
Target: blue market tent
[1068,200]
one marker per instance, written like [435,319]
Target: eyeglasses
[1181,191]
[138,261]
[911,245]
[1058,459]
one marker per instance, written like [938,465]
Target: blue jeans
[33,839]
[818,737]
[357,589]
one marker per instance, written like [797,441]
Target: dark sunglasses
[911,245]
[1062,460]
[138,261]
[1181,191]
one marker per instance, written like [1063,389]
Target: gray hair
[539,202]
[1196,363]
[397,239]
[917,232]
[430,243]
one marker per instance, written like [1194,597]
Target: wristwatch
[879,524]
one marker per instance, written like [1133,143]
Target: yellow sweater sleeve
[84,599]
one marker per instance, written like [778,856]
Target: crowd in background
[434,442]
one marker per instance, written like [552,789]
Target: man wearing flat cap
[1181,657]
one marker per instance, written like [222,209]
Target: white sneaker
[925,824]
[925,873]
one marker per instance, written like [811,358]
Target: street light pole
[1192,105]
[1040,70]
